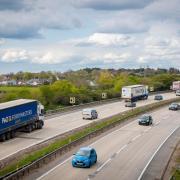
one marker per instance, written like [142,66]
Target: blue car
[85,157]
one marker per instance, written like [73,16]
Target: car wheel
[89,164]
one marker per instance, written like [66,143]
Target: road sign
[104,95]
[72,100]
[151,88]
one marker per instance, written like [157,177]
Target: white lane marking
[140,176]
[133,139]
[146,130]
[103,165]
[53,168]
[157,123]
[122,148]
[112,133]
[37,142]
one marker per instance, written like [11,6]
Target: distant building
[9,83]
[34,82]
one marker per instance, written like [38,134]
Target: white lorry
[176,85]
[178,92]
[134,92]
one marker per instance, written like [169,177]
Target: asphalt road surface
[63,123]
[124,153]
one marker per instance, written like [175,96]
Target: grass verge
[30,158]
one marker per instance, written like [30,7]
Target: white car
[89,114]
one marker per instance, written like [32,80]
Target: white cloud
[12,55]
[109,39]
[2,41]
[115,58]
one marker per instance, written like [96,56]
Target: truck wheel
[13,134]
[8,135]
[29,128]
[2,138]
[40,125]
[33,126]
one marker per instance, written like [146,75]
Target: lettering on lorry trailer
[16,116]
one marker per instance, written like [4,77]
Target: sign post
[72,100]
[104,95]
[151,88]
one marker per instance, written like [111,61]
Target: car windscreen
[143,118]
[86,112]
[83,153]
[174,105]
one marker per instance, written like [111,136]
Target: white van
[89,114]
[178,93]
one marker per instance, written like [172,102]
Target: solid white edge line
[37,143]
[140,176]
[53,168]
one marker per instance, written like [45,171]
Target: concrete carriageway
[124,153]
[63,123]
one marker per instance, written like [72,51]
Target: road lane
[124,153]
[63,123]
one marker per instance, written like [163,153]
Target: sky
[61,35]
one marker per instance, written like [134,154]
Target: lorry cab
[40,111]
[89,114]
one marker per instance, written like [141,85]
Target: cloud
[2,41]
[27,19]
[12,5]
[111,5]
[35,57]
[115,58]
[163,10]
[105,39]
[132,23]
[12,55]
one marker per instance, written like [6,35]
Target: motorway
[124,153]
[63,123]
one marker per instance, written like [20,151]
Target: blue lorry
[20,115]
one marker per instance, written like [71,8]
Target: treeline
[87,86]
[87,73]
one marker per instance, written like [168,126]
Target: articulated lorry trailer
[20,115]
[134,92]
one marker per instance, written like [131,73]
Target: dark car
[130,104]
[174,106]
[158,97]
[85,157]
[145,120]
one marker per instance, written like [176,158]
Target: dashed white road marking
[103,165]
[122,148]
[133,139]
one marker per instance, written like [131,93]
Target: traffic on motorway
[86,156]
[122,154]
